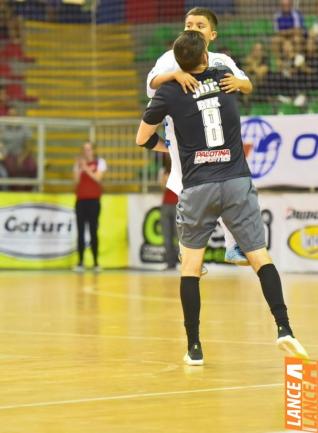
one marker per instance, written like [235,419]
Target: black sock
[273,293]
[190,298]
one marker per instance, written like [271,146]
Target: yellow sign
[38,231]
[304,242]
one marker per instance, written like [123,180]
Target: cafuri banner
[290,222]
[282,150]
[38,231]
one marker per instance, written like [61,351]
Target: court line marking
[93,291]
[139,337]
[141,395]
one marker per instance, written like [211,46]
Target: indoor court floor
[103,353]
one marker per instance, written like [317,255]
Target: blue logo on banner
[265,144]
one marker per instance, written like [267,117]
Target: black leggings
[87,211]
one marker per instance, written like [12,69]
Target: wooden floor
[104,353]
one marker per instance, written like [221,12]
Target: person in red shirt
[88,174]
[168,217]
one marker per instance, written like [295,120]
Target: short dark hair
[188,49]
[207,13]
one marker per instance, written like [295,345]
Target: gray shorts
[235,200]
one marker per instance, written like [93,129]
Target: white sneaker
[97,269]
[79,269]
[290,344]
[236,256]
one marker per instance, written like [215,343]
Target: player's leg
[196,219]
[94,210]
[273,293]
[233,253]
[174,234]
[191,302]
[204,269]
[243,217]
[167,225]
[80,224]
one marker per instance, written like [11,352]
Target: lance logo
[301,395]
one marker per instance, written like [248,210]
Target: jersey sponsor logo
[263,144]
[206,88]
[37,231]
[220,155]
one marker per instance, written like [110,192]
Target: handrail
[117,134]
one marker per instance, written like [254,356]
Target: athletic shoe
[287,342]
[236,256]
[194,356]
[97,269]
[79,269]
[204,269]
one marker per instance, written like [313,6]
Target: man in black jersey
[216,181]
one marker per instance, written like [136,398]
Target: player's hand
[186,81]
[230,83]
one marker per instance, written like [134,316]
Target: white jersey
[167,63]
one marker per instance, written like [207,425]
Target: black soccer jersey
[207,127]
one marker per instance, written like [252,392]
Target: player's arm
[186,80]
[237,81]
[148,138]
[153,116]
[230,83]
[166,69]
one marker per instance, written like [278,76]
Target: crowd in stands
[16,159]
[292,73]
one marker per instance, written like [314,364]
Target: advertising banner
[282,150]
[300,232]
[38,231]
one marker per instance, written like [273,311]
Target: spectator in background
[14,136]
[289,84]
[312,54]
[256,64]
[168,216]
[312,63]
[22,164]
[88,174]
[288,24]
[256,67]
[10,23]
[5,17]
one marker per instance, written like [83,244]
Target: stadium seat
[289,109]
[261,109]
[260,27]
[313,106]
